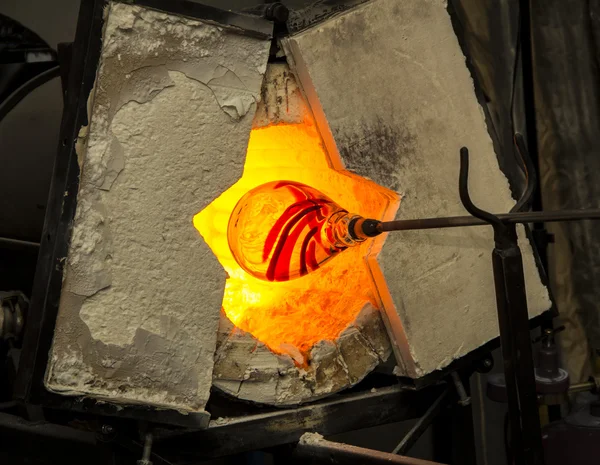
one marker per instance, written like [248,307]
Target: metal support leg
[513,319]
[525,437]
[463,441]
[453,431]
[421,425]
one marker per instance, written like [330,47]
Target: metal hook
[463,190]
[530,175]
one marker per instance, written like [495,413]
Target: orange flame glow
[318,306]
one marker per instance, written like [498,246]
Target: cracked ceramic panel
[171,112]
[389,86]
[247,369]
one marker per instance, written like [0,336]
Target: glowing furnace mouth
[294,315]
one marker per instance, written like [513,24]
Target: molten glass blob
[291,316]
[282,230]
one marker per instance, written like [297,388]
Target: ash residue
[311,438]
[377,150]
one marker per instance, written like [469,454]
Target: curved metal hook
[530,175]
[463,190]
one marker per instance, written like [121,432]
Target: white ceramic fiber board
[388,81]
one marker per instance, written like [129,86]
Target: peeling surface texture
[171,114]
[388,82]
[281,99]
[246,369]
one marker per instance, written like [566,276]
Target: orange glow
[318,306]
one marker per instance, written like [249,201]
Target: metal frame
[62,201]
[511,300]
[341,413]
[61,207]
[513,317]
[446,407]
[252,428]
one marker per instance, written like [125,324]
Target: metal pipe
[582,387]
[508,218]
[463,398]
[318,450]
[18,242]
[421,425]
[530,175]
[147,451]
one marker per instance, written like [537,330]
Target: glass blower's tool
[283,230]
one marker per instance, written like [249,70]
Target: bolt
[464,400]
[484,365]
[147,451]
[107,429]
[277,12]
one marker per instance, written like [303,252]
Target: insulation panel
[393,96]
[171,113]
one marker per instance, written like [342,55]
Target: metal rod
[147,447]
[582,387]
[513,322]
[465,198]
[528,78]
[18,242]
[421,425]
[530,175]
[508,218]
[463,398]
[319,450]
[147,451]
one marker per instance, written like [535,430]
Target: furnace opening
[290,317]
